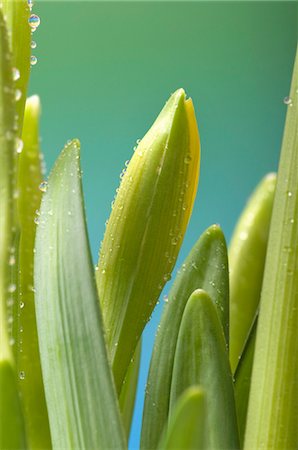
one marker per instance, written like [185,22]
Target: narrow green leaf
[12,433]
[273,401]
[246,262]
[187,426]
[201,358]
[206,267]
[17,14]
[81,398]
[129,390]
[243,379]
[25,331]
[12,429]
[146,227]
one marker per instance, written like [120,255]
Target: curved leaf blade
[12,432]
[247,255]
[129,390]
[17,14]
[273,407]
[26,340]
[187,427]
[205,267]
[243,380]
[201,358]
[80,395]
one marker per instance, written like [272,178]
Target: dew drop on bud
[19,145]
[34,22]
[18,95]
[43,186]
[15,74]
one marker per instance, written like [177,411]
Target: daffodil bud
[146,227]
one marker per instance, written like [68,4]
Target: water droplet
[126,163]
[43,186]
[187,159]
[11,288]
[288,101]
[15,74]
[19,145]
[33,44]
[18,95]
[10,319]
[34,21]
[243,235]
[292,221]
[36,220]
[22,304]
[165,298]
[174,241]
[33,60]
[11,341]
[22,375]
[103,271]
[12,260]
[289,193]
[9,135]
[193,264]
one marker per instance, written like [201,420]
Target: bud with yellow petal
[146,227]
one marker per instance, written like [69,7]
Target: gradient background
[105,70]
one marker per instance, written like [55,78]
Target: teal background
[105,70]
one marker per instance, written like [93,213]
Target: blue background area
[106,69]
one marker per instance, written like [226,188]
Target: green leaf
[273,406]
[201,358]
[129,390]
[17,14]
[25,331]
[243,379]
[247,255]
[12,429]
[205,267]
[146,227]
[12,434]
[81,398]
[187,427]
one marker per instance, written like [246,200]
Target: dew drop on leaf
[33,60]
[288,101]
[11,288]
[22,375]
